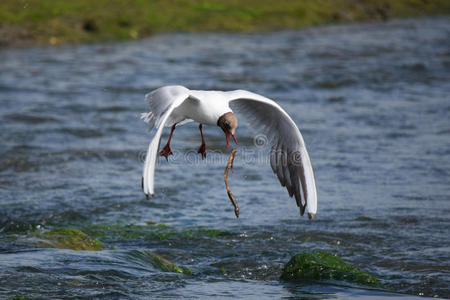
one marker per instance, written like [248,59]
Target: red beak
[234,138]
[227,133]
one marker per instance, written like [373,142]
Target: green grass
[69,21]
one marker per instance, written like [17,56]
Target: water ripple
[370,99]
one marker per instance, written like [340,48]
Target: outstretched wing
[160,100]
[289,158]
[162,103]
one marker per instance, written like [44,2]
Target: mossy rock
[320,265]
[165,265]
[68,238]
[198,233]
[159,262]
[151,231]
[127,232]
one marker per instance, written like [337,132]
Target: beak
[228,133]
[234,138]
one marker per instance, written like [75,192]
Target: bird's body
[176,105]
[207,107]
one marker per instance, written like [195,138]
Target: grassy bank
[24,22]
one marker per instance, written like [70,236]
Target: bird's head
[228,122]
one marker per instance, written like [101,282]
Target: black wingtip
[302,210]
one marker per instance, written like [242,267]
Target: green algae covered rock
[320,265]
[150,231]
[198,233]
[68,238]
[158,262]
[165,265]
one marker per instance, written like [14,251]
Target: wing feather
[289,158]
[162,101]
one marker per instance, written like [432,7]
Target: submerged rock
[150,231]
[67,238]
[320,265]
[159,262]
[86,239]
[165,265]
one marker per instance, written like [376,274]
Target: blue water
[371,100]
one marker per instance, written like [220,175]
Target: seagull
[171,106]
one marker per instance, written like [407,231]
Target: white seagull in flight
[289,159]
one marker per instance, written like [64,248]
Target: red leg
[166,150]
[202,149]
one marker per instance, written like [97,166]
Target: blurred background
[369,89]
[28,22]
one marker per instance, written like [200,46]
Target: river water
[372,102]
